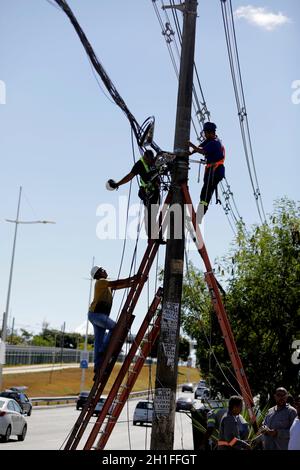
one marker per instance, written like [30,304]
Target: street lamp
[85,353]
[4,325]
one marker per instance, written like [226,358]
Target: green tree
[262,301]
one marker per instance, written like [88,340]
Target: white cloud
[261,17]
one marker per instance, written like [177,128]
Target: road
[49,427]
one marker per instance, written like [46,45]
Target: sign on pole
[84,359]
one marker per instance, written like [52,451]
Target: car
[202,383]
[187,387]
[202,392]
[184,403]
[100,405]
[12,421]
[143,412]
[17,394]
[82,399]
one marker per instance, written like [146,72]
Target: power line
[235,68]
[199,106]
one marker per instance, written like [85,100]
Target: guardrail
[71,399]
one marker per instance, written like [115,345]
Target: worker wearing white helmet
[100,309]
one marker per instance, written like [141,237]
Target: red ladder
[118,337]
[221,313]
[116,396]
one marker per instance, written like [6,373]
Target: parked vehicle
[100,405]
[202,392]
[184,403]
[143,412]
[82,399]
[12,421]
[188,387]
[17,394]
[202,383]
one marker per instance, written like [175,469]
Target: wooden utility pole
[162,437]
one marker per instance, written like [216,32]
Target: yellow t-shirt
[102,297]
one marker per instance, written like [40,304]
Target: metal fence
[30,355]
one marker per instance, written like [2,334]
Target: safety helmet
[94,270]
[210,127]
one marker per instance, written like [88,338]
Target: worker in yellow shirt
[100,309]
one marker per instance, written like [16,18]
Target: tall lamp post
[4,325]
[85,353]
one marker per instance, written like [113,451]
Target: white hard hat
[94,270]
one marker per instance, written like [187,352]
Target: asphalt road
[48,428]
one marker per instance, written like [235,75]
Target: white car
[202,392]
[100,405]
[12,421]
[143,412]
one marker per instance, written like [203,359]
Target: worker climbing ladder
[118,337]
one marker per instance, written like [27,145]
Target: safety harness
[214,166]
[148,186]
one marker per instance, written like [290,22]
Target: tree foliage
[262,273]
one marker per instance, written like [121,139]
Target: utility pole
[162,437]
[62,338]
[12,330]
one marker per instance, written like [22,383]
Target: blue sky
[61,138]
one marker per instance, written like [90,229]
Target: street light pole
[86,332]
[4,328]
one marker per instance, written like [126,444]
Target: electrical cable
[137,129]
[170,37]
[235,68]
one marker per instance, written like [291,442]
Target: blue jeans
[101,323]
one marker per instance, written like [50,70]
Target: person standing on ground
[229,431]
[100,309]
[277,423]
[294,442]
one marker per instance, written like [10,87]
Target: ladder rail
[113,350]
[152,337]
[124,369]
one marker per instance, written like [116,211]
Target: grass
[67,381]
